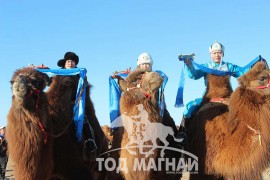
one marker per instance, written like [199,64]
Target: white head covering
[144,58]
[216,47]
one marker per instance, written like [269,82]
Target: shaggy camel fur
[107,131]
[68,161]
[233,141]
[68,152]
[140,87]
[27,117]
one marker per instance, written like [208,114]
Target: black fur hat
[68,56]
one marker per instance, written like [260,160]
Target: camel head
[27,81]
[258,78]
[151,81]
[64,86]
[144,81]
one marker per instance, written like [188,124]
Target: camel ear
[122,84]
[135,75]
[243,80]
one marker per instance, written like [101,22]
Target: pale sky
[110,35]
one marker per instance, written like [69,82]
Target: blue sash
[78,109]
[179,96]
[115,95]
[179,101]
[162,104]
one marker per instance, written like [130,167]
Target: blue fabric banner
[162,103]
[79,108]
[179,96]
[115,95]
[179,102]
[224,73]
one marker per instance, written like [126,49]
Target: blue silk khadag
[115,95]
[179,97]
[79,107]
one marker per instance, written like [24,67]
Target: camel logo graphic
[141,130]
[142,138]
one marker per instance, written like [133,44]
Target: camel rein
[257,132]
[264,87]
[70,123]
[45,134]
[65,129]
[38,120]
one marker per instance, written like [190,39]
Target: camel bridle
[257,133]
[264,87]
[38,120]
[138,86]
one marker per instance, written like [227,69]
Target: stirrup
[181,135]
[90,145]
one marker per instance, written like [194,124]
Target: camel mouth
[19,91]
[265,91]
[19,87]
[158,81]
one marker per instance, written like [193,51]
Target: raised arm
[192,72]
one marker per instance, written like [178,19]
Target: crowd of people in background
[3,152]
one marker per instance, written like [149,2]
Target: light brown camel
[233,141]
[139,94]
[68,152]
[29,146]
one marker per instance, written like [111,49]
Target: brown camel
[31,119]
[233,141]
[28,124]
[100,138]
[140,94]
[68,152]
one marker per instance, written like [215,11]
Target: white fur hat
[216,47]
[144,58]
